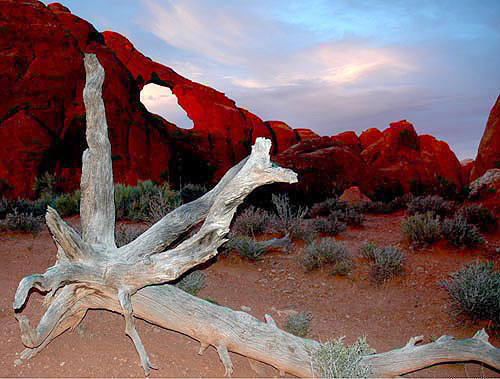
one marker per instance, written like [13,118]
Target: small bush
[421,229]
[161,204]
[460,233]
[252,221]
[23,222]
[400,202]
[343,267]
[327,251]
[246,247]
[475,291]
[326,207]
[298,324]
[367,251]
[376,207]
[480,216]
[192,282]
[303,230]
[67,204]
[328,225]
[45,185]
[431,203]
[387,262]
[288,218]
[335,360]
[125,234]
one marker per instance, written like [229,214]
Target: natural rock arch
[91,272]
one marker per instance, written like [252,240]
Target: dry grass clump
[460,233]
[333,359]
[386,261]
[327,251]
[421,229]
[251,222]
[246,247]
[431,203]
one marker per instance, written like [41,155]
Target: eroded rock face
[354,196]
[488,154]
[402,158]
[42,117]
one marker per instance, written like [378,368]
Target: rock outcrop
[354,197]
[42,120]
[488,154]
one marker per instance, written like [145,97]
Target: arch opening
[161,101]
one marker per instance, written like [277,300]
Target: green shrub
[67,204]
[304,230]
[246,247]
[298,324]
[431,203]
[252,221]
[400,202]
[326,251]
[288,218]
[335,360]
[480,216]
[45,185]
[125,234]
[328,225]
[387,262]
[475,291]
[460,233]
[367,251]
[341,210]
[421,229]
[133,203]
[192,282]
[23,222]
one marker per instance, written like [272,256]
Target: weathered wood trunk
[91,272]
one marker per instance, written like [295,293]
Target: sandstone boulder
[354,197]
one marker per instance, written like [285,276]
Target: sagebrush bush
[475,291]
[421,229]
[288,218]
[299,323]
[480,216]
[126,233]
[328,225]
[251,222]
[246,247]
[376,207]
[341,210]
[133,202]
[460,233]
[335,360]
[326,251]
[431,203]
[67,204]
[400,202]
[386,262]
[367,250]
[161,204]
[192,283]
[45,185]
[23,222]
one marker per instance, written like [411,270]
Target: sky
[326,65]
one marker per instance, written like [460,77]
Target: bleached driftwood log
[91,272]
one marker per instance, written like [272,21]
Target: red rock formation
[488,154]
[348,139]
[354,196]
[466,168]
[324,167]
[303,134]
[401,158]
[369,137]
[283,136]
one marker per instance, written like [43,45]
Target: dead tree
[91,272]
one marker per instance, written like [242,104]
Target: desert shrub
[251,221]
[460,233]
[67,204]
[23,222]
[367,250]
[245,247]
[299,323]
[328,225]
[376,207]
[45,185]
[386,262]
[480,216]
[326,251]
[343,267]
[161,204]
[421,229]
[341,210]
[400,202]
[192,282]
[304,230]
[126,233]
[133,202]
[326,207]
[431,203]
[351,216]
[191,192]
[288,218]
[335,360]
[475,291]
